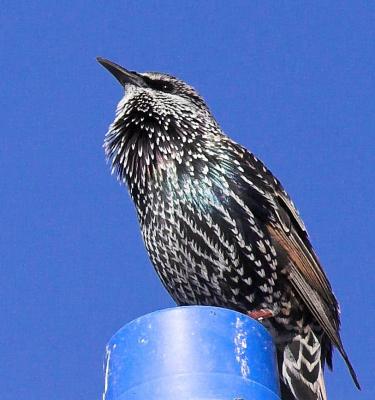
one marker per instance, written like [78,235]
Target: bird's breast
[205,246]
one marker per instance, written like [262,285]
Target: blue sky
[292,81]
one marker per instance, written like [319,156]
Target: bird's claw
[260,314]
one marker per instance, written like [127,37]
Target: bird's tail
[301,370]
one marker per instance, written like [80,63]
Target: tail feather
[301,368]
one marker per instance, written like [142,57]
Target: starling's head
[158,117]
[162,89]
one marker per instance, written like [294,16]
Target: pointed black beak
[121,74]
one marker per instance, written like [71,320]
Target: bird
[218,226]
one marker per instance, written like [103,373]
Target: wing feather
[307,276]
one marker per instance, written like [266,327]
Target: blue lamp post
[191,353]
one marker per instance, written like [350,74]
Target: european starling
[219,228]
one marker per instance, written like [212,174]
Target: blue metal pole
[191,353]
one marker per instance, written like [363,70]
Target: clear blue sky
[292,81]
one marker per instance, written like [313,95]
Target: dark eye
[166,87]
[163,86]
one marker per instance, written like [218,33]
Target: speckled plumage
[218,226]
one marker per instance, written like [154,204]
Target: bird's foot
[260,314]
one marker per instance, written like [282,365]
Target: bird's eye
[163,86]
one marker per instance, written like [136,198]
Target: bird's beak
[121,74]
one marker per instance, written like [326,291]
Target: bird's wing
[305,272]
[290,237]
[291,234]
